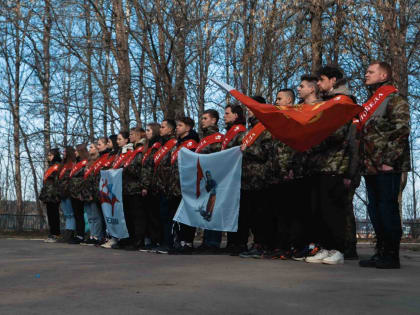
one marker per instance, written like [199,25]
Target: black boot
[371,262]
[391,257]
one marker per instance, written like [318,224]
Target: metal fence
[25,222]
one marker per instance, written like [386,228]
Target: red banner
[214,138]
[51,171]
[157,158]
[155,145]
[232,132]
[189,144]
[253,134]
[373,103]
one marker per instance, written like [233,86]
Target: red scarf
[233,131]
[133,154]
[68,166]
[77,167]
[253,134]
[214,138]
[159,155]
[109,161]
[51,170]
[189,144]
[99,164]
[155,145]
[121,159]
[373,104]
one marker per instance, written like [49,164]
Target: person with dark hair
[50,196]
[385,150]
[69,160]
[186,138]
[256,147]
[285,97]
[89,196]
[134,211]
[333,166]
[162,175]
[235,125]
[308,90]
[76,192]
[150,192]
[211,141]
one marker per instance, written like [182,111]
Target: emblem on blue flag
[110,192]
[210,185]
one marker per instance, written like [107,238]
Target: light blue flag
[110,190]
[210,185]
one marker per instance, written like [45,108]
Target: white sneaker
[109,243]
[335,257]
[318,258]
[51,239]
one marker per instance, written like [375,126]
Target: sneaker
[162,250]
[235,250]
[51,239]
[147,248]
[90,242]
[254,252]
[307,251]
[75,240]
[318,258]
[276,254]
[109,243]
[335,257]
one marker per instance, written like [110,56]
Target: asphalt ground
[41,278]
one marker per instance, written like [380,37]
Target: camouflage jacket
[256,160]
[63,184]
[77,186]
[173,183]
[163,172]
[282,160]
[214,147]
[49,191]
[148,176]
[132,184]
[384,138]
[237,140]
[337,154]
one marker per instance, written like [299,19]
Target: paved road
[39,278]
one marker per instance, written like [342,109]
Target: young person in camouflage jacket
[187,138]
[149,192]
[211,142]
[385,126]
[330,163]
[50,196]
[235,126]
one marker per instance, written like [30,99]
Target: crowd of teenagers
[295,205]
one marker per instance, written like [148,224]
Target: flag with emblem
[302,126]
[110,192]
[210,185]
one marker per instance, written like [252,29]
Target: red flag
[304,126]
[200,176]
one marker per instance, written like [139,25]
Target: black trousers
[328,199]
[53,216]
[184,233]
[153,224]
[383,207]
[135,219]
[240,238]
[78,209]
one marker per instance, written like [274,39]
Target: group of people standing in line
[296,205]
